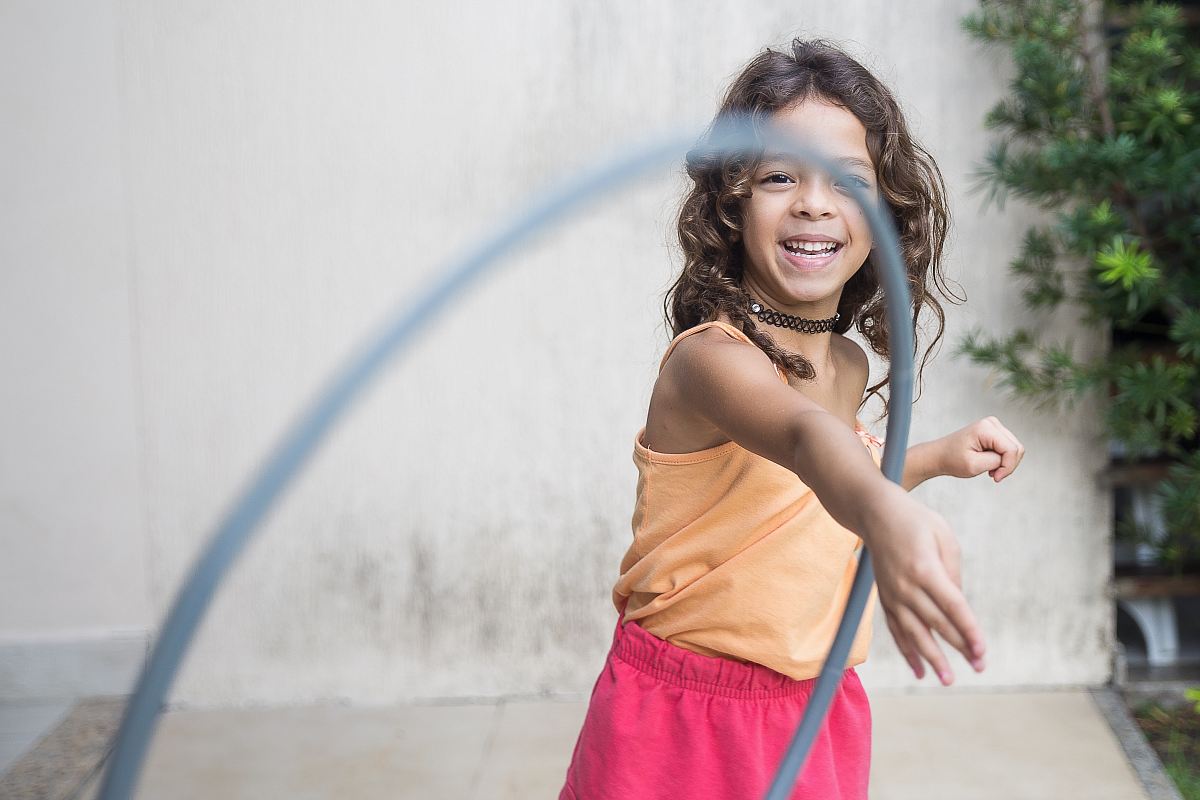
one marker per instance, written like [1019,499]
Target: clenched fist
[983,446]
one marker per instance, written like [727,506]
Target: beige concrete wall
[74,604]
[288,174]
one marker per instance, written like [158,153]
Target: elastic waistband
[666,662]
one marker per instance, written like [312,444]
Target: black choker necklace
[779,319]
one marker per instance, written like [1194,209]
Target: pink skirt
[665,723]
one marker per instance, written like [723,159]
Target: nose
[814,198]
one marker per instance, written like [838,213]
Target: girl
[756,477]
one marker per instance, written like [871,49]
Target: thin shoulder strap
[725,326]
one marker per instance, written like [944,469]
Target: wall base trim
[71,664]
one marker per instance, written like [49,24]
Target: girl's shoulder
[692,343]
[708,368]
[716,328]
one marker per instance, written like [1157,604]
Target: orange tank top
[734,556]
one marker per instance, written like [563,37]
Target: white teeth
[810,247]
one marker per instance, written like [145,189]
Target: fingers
[1010,449]
[946,592]
[919,577]
[1010,455]
[951,617]
[938,607]
[918,640]
[905,646]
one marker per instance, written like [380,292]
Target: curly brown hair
[710,218]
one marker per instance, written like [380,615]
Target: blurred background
[204,207]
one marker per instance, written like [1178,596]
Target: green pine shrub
[1099,128]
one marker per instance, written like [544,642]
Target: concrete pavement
[934,745]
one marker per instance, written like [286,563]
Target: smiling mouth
[805,259]
[812,250]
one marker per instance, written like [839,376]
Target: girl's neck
[817,348]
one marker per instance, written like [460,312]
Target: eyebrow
[849,161]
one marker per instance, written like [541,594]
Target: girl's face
[804,236]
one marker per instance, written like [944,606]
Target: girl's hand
[983,446]
[919,578]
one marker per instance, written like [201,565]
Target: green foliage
[1099,126]
[1193,694]
[1174,733]
[1185,329]
[1045,285]
[1150,410]
[1128,265]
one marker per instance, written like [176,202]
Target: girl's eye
[781,178]
[861,183]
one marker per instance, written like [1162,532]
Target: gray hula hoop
[365,363]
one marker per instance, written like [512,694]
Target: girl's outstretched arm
[713,381]
[920,464]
